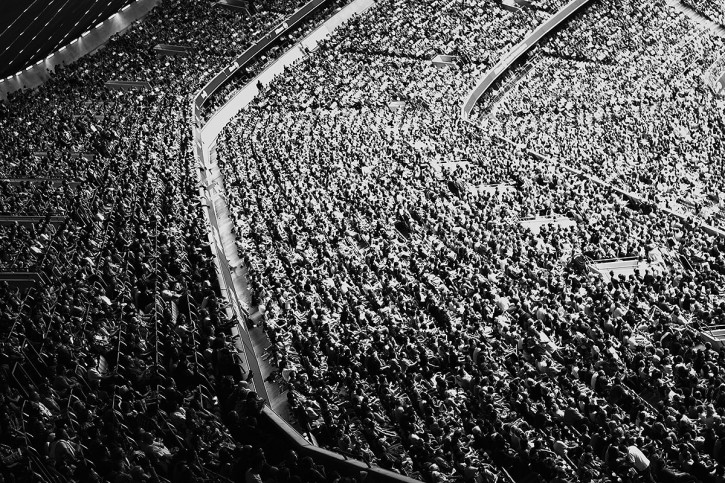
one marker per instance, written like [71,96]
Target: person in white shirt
[637,458]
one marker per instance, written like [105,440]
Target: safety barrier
[251,53]
[517,52]
[205,135]
[332,460]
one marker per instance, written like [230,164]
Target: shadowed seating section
[116,341]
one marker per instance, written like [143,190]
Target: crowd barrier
[515,54]
[331,459]
[210,131]
[36,74]
[205,135]
[251,53]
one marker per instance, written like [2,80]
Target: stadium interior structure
[362,241]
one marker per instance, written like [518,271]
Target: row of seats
[430,287]
[119,365]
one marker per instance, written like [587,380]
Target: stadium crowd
[630,105]
[245,74]
[431,290]
[711,9]
[119,364]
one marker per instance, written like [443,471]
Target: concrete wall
[520,49]
[210,131]
[204,139]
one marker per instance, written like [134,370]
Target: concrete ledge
[171,50]
[126,85]
[251,53]
[22,279]
[211,129]
[205,136]
[30,220]
[234,5]
[329,458]
[517,52]
[73,183]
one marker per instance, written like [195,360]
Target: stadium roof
[32,29]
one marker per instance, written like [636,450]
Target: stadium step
[492,189]
[127,85]
[167,49]
[534,224]
[86,156]
[442,60]
[620,266]
[395,105]
[53,181]
[22,279]
[30,220]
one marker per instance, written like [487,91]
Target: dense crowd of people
[632,106]
[712,9]
[430,288]
[119,365]
[245,74]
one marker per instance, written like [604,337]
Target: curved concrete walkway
[505,63]
[253,341]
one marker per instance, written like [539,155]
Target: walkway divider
[684,217]
[205,136]
[209,131]
[251,53]
[517,52]
[331,459]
